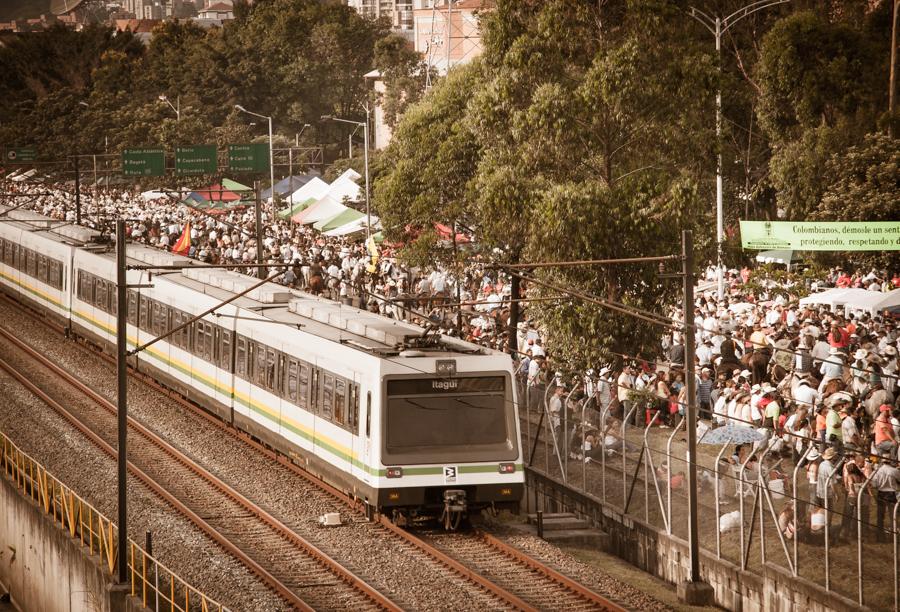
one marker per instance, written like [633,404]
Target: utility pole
[77,193]
[122,398]
[694,591]
[717,26]
[259,232]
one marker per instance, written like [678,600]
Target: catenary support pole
[259,231]
[77,193]
[692,591]
[122,398]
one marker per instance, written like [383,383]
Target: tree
[863,187]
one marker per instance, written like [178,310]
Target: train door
[366,437]
[225,341]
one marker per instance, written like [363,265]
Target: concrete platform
[567,529]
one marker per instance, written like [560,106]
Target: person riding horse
[729,351]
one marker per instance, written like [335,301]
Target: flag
[373,255]
[183,245]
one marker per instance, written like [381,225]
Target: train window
[353,408]
[30,263]
[340,398]
[132,307]
[113,297]
[303,395]
[225,341]
[144,322]
[160,318]
[327,396]
[53,269]
[290,387]
[271,369]
[368,413]
[86,287]
[240,356]
[259,365]
[203,340]
[100,296]
[42,268]
[178,338]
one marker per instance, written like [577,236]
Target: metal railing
[158,587]
[837,565]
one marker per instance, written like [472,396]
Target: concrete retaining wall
[43,567]
[666,557]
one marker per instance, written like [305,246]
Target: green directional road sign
[199,159]
[19,155]
[143,162]
[248,157]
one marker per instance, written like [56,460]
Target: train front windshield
[459,419]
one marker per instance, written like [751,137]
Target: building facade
[448,34]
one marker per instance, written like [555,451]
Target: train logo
[450,472]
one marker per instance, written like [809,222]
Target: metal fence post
[828,524]
[859,538]
[718,508]
[624,469]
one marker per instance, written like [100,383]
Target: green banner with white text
[821,235]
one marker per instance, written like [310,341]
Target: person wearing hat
[849,429]
[885,482]
[826,490]
[624,385]
[811,462]
[885,438]
[889,368]
[832,368]
[704,393]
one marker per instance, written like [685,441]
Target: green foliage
[429,166]
[864,186]
[813,72]
[292,59]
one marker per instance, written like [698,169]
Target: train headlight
[394,472]
[507,468]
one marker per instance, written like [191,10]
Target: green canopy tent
[244,191]
[287,213]
[342,218]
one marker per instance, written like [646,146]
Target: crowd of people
[340,268]
[813,388]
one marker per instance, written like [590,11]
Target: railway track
[304,576]
[539,586]
[472,557]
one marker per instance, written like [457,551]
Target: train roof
[321,317]
[55,229]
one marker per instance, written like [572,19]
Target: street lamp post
[271,157]
[176,107]
[717,26]
[365,125]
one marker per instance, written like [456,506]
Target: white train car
[36,258]
[409,423]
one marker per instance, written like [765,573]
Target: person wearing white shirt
[806,395]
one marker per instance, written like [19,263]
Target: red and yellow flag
[183,245]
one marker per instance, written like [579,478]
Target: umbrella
[731,434]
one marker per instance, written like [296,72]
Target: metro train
[414,425]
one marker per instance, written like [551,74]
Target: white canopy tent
[345,186]
[854,300]
[354,226]
[313,190]
[326,208]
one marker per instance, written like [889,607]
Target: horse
[758,364]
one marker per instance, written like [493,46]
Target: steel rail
[310,549]
[466,573]
[529,561]
[99,442]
